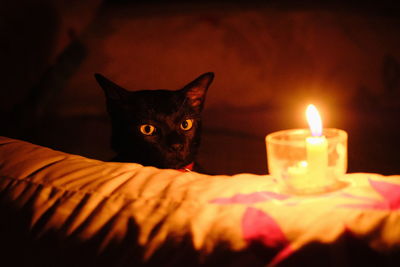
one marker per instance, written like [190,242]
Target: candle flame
[314,120]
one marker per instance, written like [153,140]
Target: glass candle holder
[304,167]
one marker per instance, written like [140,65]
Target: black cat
[158,128]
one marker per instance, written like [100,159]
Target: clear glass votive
[306,168]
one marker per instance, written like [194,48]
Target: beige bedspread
[59,209]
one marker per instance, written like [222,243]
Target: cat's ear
[196,90]
[112,90]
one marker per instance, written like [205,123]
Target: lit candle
[317,148]
[299,157]
[312,173]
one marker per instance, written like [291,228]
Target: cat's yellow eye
[187,124]
[147,129]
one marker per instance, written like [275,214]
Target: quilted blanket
[58,209]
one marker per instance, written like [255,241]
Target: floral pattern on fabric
[251,198]
[258,226]
[389,192]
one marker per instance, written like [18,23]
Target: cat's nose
[177,147]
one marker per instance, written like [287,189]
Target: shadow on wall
[270,59]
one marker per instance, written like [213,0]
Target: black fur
[169,146]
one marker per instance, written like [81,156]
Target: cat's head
[158,128]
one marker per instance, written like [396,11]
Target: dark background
[270,58]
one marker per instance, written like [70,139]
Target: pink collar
[187,168]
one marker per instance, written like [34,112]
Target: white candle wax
[317,160]
[317,148]
[314,171]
